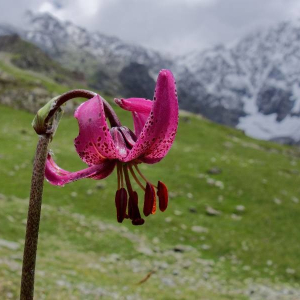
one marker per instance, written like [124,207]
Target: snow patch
[266,127]
[296,97]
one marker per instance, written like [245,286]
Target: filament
[135,178]
[122,179]
[136,167]
[119,176]
[127,180]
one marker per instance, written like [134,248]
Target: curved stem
[37,184]
[79,93]
[33,219]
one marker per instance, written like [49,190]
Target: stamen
[162,193]
[136,167]
[127,180]
[135,178]
[118,176]
[121,204]
[133,209]
[150,200]
[121,173]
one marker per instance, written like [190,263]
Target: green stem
[33,219]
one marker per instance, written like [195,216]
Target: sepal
[45,122]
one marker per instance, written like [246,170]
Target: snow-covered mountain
[104,59]
[56,37]
[253,84]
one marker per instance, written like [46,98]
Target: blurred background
[232,228]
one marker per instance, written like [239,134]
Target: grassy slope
[84,253]
[27,78]
[27,56]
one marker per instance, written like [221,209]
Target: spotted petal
[140,109]
[57,176]
[94,143]
[158,133]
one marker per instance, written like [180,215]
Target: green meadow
[231,230]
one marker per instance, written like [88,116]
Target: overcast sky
[175,26]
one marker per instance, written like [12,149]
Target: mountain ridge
[257,80]
[252,85]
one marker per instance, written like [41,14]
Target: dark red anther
[130,205]
[163,198]
[150,200]
[133,210]
[121,204]
[138,221]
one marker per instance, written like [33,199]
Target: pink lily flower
[103,148]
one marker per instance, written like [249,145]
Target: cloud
[78,10]
[175,26]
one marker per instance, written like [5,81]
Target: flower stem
[33,219]
[109,112]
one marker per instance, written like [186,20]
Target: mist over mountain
[252,85]
[102,58]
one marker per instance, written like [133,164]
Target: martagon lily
[103,148]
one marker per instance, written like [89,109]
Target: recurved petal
[158,133]
[94,142]
[140,109]
[139,121]
[57,176]
[140,105]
